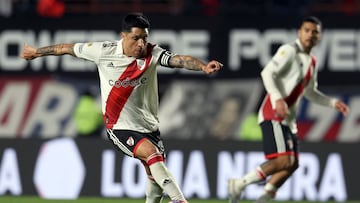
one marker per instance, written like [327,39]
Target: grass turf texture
[29,199]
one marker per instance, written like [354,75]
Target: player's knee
[145,151]
[295,165]
[287,163]
[292,164]
[154,158]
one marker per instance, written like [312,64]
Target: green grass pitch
[33,199]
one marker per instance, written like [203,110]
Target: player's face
[134,42]
[309,35]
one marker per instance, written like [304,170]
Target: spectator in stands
[6,8]
[87,116]
[210,7]
[250,129]
[51,8]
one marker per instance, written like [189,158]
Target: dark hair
[134,20]
[311,19]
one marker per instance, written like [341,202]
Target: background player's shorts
[278,140]
[127,140]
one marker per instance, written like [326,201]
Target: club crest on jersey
[130,141]
[140,64]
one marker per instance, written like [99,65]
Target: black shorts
[278,140]
[127,140]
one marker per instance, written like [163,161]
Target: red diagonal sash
[269,112]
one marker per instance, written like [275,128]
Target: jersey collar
[298,43]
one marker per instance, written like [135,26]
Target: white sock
[265,197]
[165,180]
[154,192]
[270,190]
[252,177]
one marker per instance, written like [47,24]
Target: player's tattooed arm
[58,49]
[192,63]
[188,62]
[30,52]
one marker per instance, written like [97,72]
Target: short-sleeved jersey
[290,74]
[129,86]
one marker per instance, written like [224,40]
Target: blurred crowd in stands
[59,8]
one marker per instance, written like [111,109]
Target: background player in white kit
[291,74]
[129,92]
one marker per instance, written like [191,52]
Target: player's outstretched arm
[192,63]
[30,52]
[342,107]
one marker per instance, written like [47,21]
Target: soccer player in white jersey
[290,75]
[129,92]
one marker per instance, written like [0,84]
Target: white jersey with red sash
[129,90]
[290,74]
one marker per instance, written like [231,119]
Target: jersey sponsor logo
[127,82]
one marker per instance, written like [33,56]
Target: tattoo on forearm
[58,49]
[50,50]
[193,64]
[186,62]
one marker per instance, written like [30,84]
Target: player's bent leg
[236,186]
[234,193]
[163,177]
[275,182]
[268,194]
[264,198]
[154,193]
[154,162]
[280,163]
